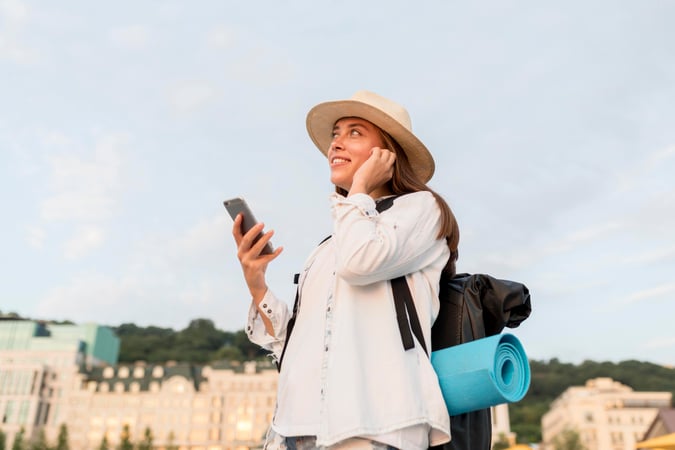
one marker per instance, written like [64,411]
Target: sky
[124,126]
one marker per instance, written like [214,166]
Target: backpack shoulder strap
[406,314]
[405,310]
[291,323]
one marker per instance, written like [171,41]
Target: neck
[380,192]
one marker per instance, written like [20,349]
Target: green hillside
[550,379]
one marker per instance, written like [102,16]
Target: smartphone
[238,205]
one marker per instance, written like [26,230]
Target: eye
[354,132]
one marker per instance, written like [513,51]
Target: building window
[158,372]
[23,412]
[108,372]
[139,372]
[7,416]
[123,372]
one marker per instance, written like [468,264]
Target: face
[353,139]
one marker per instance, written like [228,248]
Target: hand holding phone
[238,205]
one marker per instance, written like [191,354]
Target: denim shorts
[309,443]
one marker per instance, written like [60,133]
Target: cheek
[361,155]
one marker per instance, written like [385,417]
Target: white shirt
[345,372]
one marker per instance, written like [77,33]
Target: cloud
[165,281]
[577,238]
[657,256]
[134,37]
[86,189]
[263,66]
[13,17]
[35,236]
[529,255]
[635,177]
[56,139]
[648,294]
[13,12]
[661,342]
[221,37]
[188,97]
[83,242]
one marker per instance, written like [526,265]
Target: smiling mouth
[337,161]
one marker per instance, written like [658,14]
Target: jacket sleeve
[372,246]
[278,313]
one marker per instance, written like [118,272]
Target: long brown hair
[404,181]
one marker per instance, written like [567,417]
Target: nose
[336,142]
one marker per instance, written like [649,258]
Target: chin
[339,184]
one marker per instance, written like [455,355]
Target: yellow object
[666,442]
[520,447]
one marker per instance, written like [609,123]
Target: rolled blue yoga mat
[482,373]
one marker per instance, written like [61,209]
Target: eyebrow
[349,125]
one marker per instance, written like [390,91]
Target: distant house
[663,423]
[604,413]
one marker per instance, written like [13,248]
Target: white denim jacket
[345,372]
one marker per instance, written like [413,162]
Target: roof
[665,417]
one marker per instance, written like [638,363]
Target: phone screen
[238,205]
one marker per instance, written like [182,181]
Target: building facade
[663,424]
[40,369]
[606,414]
[226,406]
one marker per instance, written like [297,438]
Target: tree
[19,443]
[198,341]
[568,440]
[39,442]
[125,439]
[502,443]
[62,439]
[146,443]
[171,444]
[228,353]
[105,445]
[248,348]
[3,440]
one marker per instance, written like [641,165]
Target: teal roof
[98,343]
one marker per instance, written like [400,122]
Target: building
[54,374]
[606,414]
[501,424]
[226,406]
[40,367]
[663,424]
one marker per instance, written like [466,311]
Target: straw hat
[389,116]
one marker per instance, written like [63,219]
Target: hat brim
[321,120]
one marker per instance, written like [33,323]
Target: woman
[346,381]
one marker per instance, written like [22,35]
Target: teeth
[339,160]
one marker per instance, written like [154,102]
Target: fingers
[251,244]
[236,228]
[383,155]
